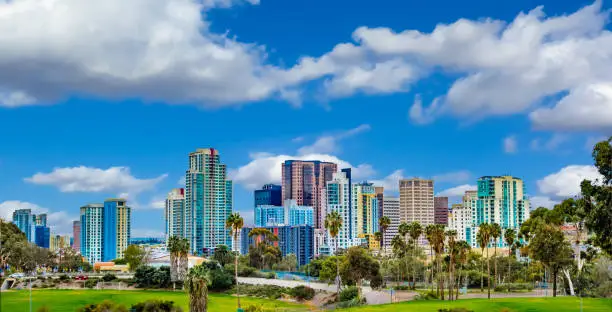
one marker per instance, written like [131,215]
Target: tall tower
[441,210]
[269,194]
[339,199]
[208,201]
[417,201]
[92,230]
[304,181]
[76,235]
[391,209]
[117,228]
[23,219]
[366,207]
[501,200]
[174,212]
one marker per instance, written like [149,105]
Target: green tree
[451,236]
[436,240]
[197,287]
[549,246]
[359,265]
[135,256]
[179,249]
[378,236]
[333,223]
[383,224]
[510,238]
[414,231]
[462,251]
[496,232]
[223,255]
[484,238]
[235,222]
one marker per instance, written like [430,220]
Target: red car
[81,277]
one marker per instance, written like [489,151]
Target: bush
[155,306]
[220,280]
[256,308]
[349,304]
[263,291]
[429,295]
[150,277]
[64,278]
[349,293]
[104,306]
[509,287]
[302,292]
[109,277]
[271,275]
[91,283]
[401,287]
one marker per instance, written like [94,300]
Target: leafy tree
[179,249]
[287,263]
[197,288]
[549,246]
[462,253]
[135,256]
[359,265]
[378,236]
[333,222]
[223,255]
[235,222]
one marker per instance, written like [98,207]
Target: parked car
[81,277]
[17,275]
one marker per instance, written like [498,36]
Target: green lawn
[71,300]
[560,304]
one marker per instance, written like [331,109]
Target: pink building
[76,234]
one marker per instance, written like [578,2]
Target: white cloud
[555,141]
[542,201]
[457,191]
[329,143]
[566,182]
[454,177]
[390,183]
[421,115]
[89,179]
[510,145]
[60,222]
[587,107]
[266,168]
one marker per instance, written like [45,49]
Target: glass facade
[23,219]
[297,240]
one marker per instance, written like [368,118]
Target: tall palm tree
[173,245]
[398,245]
[197,287]
[183,259]
[235,223]
[378,236]
[484,238]
[510,238]
[333,223]
[403,230]
[437,241]
[452,251]
[463,249]
[496,232]
[429,230]
[383,225]
[414,230]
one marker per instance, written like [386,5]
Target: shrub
[263,291]
[401,287]
[43,309]
[155,306]
[104,306]
[349,293]
[256,308]
[64,277]
[220,280]
[302,292]
[349,304]
[109,277]
[270,275]
[429,295]
[91,283]
[509,287]
[150,277]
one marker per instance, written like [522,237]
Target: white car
[17,275]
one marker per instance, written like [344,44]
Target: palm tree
[496,232]
[333,222]
[183,259]
[429,229]
[403,230]
[414,230]
[173,245]
[510,238]
[437,242]
[383,225]
[378,236]
[451,235]
[483,240]
[463,249]
[235,223]
[197,286]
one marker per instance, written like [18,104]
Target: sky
[107,98]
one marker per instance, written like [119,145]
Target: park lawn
[559,304]
[72,300]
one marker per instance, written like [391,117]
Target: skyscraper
[304,182]
[292,239]
[441,210]
[501,200]
[23,219]
[208,201]
[366,207]
[339,191]
[288,214]
[380,197]
[417,201]
[174,211]
[117,228]
[460,220]
[270,194]
[92,230]
[41,219]
[42,236]
[76,235]
[391,209]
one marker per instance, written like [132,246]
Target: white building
[391,209]
[339,199]
[174,213]
[460,220]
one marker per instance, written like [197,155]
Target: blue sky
[108,99]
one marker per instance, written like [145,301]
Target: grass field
[71,300]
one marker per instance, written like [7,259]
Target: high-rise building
[117,228]
[42,236]
[92,230]
[304,182]
[460,220]
[23,219]
[41,219]
[339,199]
[57,242]
[366,206]
[289,214]
[320,243]
[441,210]
[501,200]
[270,194]
[379,190]
[208,201]
[76,235]
[391,209]
[297,240]
[174,211]
[417,201]
[470,202]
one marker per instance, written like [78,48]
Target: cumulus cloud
[390,183]
[329,143]
[453,177]
[542,201]
[89,179]
[566,182]
[60,222]
[510,144]
[266,168]
[457,191]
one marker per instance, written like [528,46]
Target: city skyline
[408,109]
